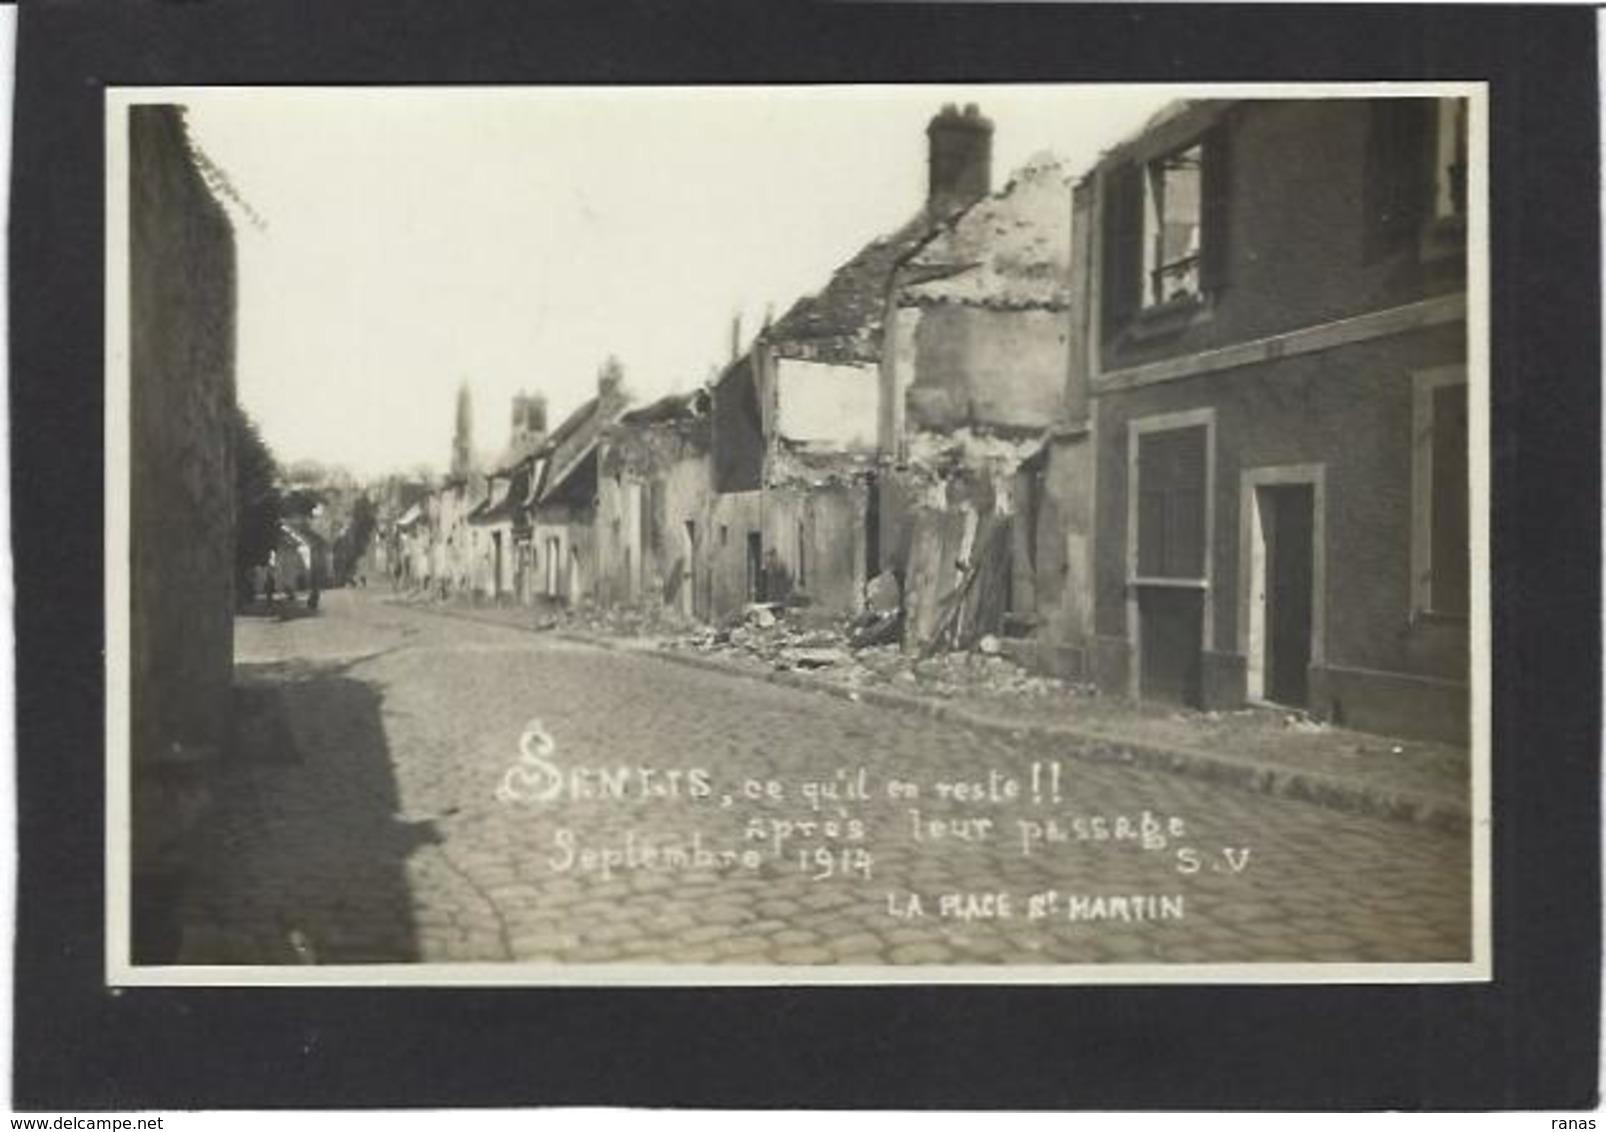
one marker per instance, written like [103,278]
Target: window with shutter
[1441,535]
[1213,211]
[1121,285]
[1172,214]
[1165,229]
[1397,175]
[1171,503]
[1450,533]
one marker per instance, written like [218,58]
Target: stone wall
[181,565]
[971,366]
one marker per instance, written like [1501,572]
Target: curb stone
[1366,799]
[1288,782]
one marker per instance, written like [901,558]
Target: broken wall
[679,556]
[980,367]
[737,430]
[733,517]
[826,406]
[1062,567]
[563,554]
[653,506]
[818,534]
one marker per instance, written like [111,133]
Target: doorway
[755,566]
[1171,623]
[1280,645]
[554,566]
[688,549]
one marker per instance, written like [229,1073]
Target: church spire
[463,437]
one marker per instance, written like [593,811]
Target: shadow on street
[303,858]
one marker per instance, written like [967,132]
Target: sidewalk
[1255,749]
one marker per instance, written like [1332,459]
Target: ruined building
[972,377]
[653,506]
[796,419]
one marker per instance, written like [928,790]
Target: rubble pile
[766,636]
[649,620]
[962,673]
[862,651]
[765,633]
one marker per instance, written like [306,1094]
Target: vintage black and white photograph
[797,534]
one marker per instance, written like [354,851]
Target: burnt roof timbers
[843,321]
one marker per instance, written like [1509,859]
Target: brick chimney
[960,169]
[529,419]
[610,380]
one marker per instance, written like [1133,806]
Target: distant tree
[256,499]
[300,503]
[354,540]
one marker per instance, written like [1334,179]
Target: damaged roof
[576,438]
[842,322]
[1011,250]
[674,407]
[496,508]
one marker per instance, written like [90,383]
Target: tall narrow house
[1271,330]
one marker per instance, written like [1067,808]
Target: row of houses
[1191,425]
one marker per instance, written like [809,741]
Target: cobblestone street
[391,803]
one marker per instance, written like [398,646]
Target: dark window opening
[1165,229]
[1172,216]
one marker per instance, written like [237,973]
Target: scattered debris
[818,657]
[872,629]
[883,595]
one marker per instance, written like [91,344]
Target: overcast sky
[513,239]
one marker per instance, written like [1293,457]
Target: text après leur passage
[838,826]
